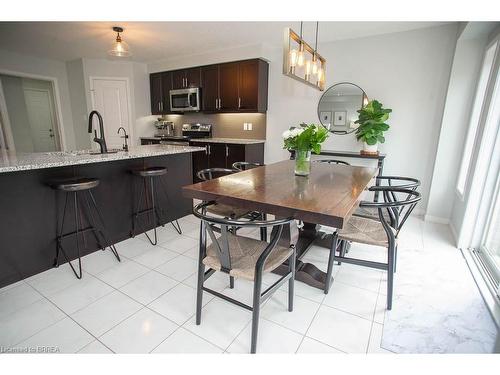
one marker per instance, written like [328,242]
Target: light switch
[245,126]
[249,126]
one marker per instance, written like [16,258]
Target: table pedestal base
[306,272]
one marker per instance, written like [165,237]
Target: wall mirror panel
[338,106]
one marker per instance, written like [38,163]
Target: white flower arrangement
[291,133]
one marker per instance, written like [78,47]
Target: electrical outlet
[249,126]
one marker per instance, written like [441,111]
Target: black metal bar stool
[84,204]
[148,193]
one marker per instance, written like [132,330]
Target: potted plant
[302,140]
[372,118]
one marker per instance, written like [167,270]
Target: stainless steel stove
[189,131]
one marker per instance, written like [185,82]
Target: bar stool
[148,176]
[80,188]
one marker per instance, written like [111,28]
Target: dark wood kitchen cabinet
[223,155]
[210,88]
[186,78]
[232,87]
[228,87]
[160,84]
[156,93]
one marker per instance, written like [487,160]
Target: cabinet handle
[239,103]
[227,151]
[159,106]
[206,150]
[209,150]
[220,103]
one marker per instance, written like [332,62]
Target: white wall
[406,71]
[138,78]
[466,66]
[11,63]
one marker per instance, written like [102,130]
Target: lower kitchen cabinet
[223,155]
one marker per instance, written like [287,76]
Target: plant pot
[370,149]
[302,162]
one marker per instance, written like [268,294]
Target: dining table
[327,197]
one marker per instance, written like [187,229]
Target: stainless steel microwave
[185,100]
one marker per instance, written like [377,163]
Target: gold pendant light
[119,48]
[301,61]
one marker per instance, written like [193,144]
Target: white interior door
[41,118]
[110,99]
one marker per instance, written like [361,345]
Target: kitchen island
[29,208]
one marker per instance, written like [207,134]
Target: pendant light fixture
[119,48]
[301,61]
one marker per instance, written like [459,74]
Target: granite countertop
[12,162]
[229,140]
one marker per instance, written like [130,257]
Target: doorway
[29,121]
[111,98]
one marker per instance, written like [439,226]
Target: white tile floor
[146,304]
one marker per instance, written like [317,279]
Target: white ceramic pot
[370,148]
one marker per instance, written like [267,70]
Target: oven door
[185,100]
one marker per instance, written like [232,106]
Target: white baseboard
[453,232]
[436,219]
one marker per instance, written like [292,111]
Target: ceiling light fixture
[119,48]
[301,61]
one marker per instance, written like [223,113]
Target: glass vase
[302,162]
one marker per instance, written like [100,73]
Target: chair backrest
[244,165]
[221,244]
[210,173]
[332,161]
[399,204]
[399,182]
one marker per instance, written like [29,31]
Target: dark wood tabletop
[328,196]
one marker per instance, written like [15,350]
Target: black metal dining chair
[332,161]
[399,204]
[245,165]
[243,257]
[221,209]
[400,182]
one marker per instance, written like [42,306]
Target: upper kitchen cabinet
[210,88]
[228,87]
[156,93]
[233,87]
[186,78]
[252,86]
[160,86]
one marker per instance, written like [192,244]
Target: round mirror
[338,106]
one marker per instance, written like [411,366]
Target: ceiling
[154,41]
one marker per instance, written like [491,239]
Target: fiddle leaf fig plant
[372,123]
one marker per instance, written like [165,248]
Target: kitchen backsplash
[226,125]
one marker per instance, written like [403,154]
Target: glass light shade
[320,75]
[300,56]
[314,66]
[119,48]
[293,57]
[308,70]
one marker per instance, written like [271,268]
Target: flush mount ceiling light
[119,48]
[301,61]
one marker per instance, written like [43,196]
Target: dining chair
[400,182]
[220,209]
[245,165]
[332,161]
[243,257]
[398,202]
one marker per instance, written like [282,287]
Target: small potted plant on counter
[372,118]
[302,140]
